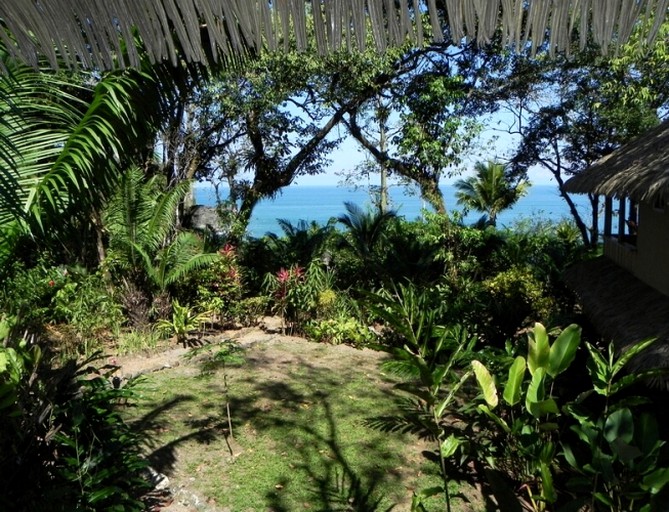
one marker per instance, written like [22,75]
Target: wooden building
[625,292]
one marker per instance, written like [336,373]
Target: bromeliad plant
[521,431]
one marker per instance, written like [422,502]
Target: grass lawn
[300,438]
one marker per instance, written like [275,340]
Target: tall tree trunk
[582,228]
[594,230]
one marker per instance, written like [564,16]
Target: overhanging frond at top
[102,33]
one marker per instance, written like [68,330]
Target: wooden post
[608,214]
[621,219]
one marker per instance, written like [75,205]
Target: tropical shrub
[617,457]
[28,293]
[432,357]
[85,304]
[300,244]
[602,450]
[341,329]
[512,298]
[218,287]
[519,429]
[147,254]
[63,443]
[364,238]
[298,295]
[183,322]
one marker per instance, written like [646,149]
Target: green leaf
[3,361]
[548,493]
[655,481]
[535,401]
[449,446]
[630,353]
[599,370]
[484,408]
[486,383]
[512,390]
[619,426]
[563,350]
[430,491]
[604,498]
[538,348]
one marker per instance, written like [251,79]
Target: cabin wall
[653,247]
[649,258]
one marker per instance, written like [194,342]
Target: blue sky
[349,154]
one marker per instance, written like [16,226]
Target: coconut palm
[490,191]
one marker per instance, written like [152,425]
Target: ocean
[320,203]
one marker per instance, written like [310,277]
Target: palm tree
[300,242]
[145,247]
[490,191]
[365,230]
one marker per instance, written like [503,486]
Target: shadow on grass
[312,412]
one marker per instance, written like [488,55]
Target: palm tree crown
[491,190]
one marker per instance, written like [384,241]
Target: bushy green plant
[434,356]
[522,435]
[218,287]
[613,456]
[28,292]
[84,302]
[63,443]
[338,330]
[618,457]
[183,322]
[296,294]
[512,297]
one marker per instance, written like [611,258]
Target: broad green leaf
[563,350]
[3,361]
[535,391]
[535,401]
[486,383]
[512,390]
[542,408]
[548,493]
[625,452]
[619,426]
[655,481]
[449,446]
[630,353]
[599,370]
[538,348]
[605,499]
[486,410]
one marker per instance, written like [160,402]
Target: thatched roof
[639,170]
[91,33]
[624,310]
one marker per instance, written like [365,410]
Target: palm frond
[101,34]
[183,256]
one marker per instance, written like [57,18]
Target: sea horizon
[320,203]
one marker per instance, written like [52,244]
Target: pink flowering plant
[219,286]
[293,296]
